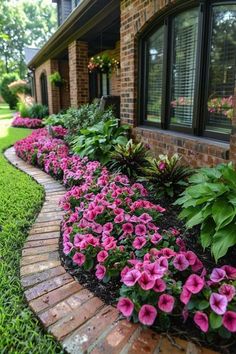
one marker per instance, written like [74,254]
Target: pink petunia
[159,286]
[180,262]
[100,271]
[230,272]
[229,321]
[79,258]
[197,265]
[67,247]
[168,252]
[147,315]
[102,256]
[139,242]
[227,290]
[140,230]
[108,227]
[185,296]
[191,257]
[156,238]
[194,284]
[131,277]
[119,218]
[124,271]
[127,228]
[166,303]
[154,270]
[218,303]
[201,320]
[217,275]
[145,281]
[125,306]
[145,218]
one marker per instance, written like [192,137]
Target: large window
[188,72]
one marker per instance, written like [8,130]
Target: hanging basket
[103,64]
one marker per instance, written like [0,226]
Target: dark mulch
[110,292]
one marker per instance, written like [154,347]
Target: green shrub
[129,159]
[166,176]
[99,140]
[86,116]
[55,119]
[5,92]
[38,110]
[23,108]
[210,201]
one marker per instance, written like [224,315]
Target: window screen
[222,72]
[154,75]
[185,34]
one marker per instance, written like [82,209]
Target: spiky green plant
[166,175]
[130,158]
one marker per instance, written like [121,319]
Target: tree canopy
[23,23]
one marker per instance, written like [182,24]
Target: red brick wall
[135,17]
[53,92]
[78,73]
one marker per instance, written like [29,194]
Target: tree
[23,24]
[5,92]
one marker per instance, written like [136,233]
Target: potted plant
[103,63]
[56,79]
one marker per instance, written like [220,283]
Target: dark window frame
[202,69]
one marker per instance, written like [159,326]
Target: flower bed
[112,228]
[31,123]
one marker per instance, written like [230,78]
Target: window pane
[154,76]
[185,33]
[222,69]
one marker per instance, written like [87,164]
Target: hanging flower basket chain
[103,63]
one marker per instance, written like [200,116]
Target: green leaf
[207,232]
[215,320]
[224,333]
[221,211]
[222,240]
[204,304]
[195,220]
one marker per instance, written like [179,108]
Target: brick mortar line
[43,179]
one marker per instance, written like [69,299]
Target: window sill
[173,134]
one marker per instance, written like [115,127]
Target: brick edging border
[81,322]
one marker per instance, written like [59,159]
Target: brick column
[78,72]
[53,91]
[232,151]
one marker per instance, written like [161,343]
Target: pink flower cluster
[59,132]
[31,123]
[112,228]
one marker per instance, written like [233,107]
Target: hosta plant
[166,175]
[210,201]
[96,142]
[130,158]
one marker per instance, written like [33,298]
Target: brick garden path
[78,319]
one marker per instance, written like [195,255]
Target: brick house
[177,70]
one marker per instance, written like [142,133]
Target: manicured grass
[5,112]
[20,200]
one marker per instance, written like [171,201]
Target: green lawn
[5,112]
[20,199]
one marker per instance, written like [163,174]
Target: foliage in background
[99,140]
[166,176]
[129,159]
[37,110]
[210,201]
[8,96]
[19,87]
[20,200]
[23,109]
[23,23]
[55,119]
[86,116]
[56,79]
